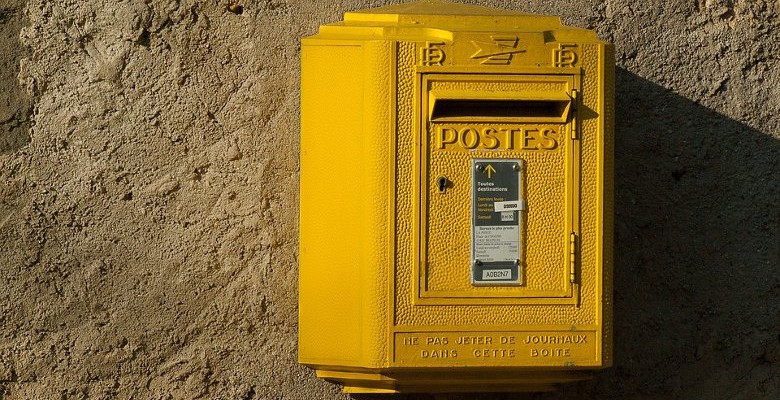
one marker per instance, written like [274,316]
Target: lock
[442,182]
[455,200]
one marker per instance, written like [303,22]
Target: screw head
[480,167]
[515,167]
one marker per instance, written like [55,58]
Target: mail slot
[455,201]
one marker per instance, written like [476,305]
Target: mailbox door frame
[569,294]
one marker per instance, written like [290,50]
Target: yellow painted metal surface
[405,111]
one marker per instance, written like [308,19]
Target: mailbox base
[418,380]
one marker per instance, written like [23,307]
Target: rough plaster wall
[148,191]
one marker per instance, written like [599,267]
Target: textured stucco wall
[148,194]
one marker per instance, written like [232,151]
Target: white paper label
[497,243]
[502,206]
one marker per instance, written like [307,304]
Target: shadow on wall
[697,252]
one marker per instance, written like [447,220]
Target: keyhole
[442,183]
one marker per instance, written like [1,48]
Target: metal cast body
[456,200]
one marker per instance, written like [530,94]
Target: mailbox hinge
[574,100]
[572,255]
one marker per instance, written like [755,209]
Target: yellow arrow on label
[490,171]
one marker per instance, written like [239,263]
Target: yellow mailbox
[456,200]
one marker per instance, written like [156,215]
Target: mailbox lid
[441,20]
[449,15]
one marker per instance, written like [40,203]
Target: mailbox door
[499,174]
